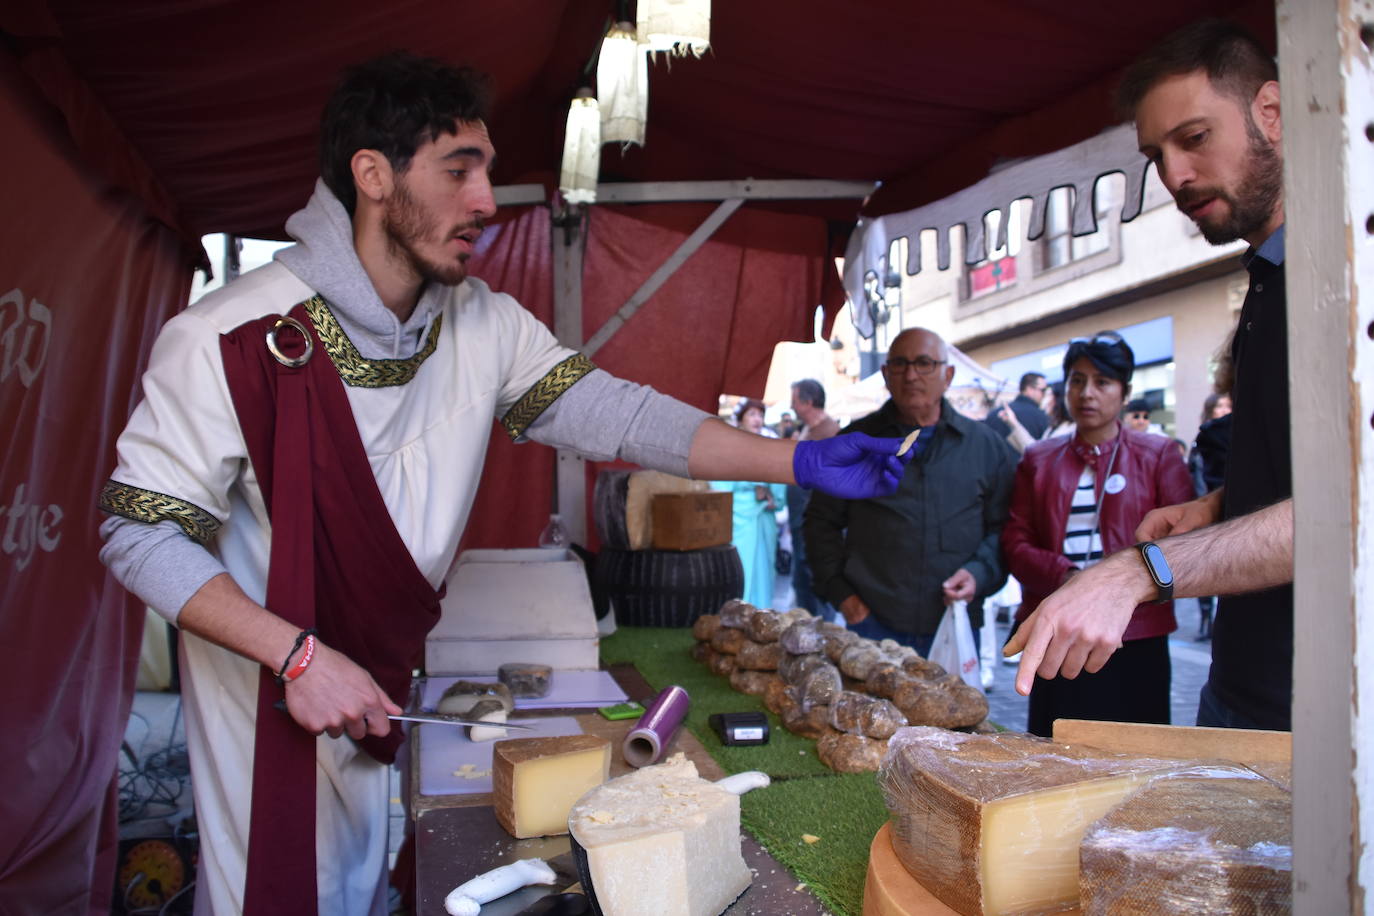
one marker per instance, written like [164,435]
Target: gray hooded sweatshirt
[601,417]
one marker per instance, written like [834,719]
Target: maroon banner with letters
[86,279]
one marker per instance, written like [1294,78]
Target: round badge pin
[1115,484]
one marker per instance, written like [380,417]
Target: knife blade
[445,719]
[435,718]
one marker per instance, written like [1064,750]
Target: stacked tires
[656,588]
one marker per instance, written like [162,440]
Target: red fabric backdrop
[86,278]
[710,329]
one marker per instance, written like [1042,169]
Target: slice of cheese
[661,840]
[534,781]
[1208,840]
[992,823]
[488,710]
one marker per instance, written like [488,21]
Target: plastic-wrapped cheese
[661,840]
[803,637]
[992,823]
[736,613]
[766,626]
[1207,840]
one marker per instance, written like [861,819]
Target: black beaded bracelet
[300,640]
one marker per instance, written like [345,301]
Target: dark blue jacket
[895,552]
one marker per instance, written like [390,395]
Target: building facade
[1172,295]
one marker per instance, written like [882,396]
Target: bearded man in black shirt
[1206,107]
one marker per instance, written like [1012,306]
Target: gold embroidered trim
[352,367]
[149,506]
[543,393]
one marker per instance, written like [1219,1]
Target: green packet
[630,710]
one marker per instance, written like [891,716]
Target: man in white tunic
[427,356]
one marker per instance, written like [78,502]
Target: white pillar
[1328,110]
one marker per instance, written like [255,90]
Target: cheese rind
[992,823]
[461,696]
[661,840]
[1207,840]
[535,781]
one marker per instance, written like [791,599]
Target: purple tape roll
[654,730]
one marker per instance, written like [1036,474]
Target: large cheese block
[992,823]
[1208,840]
[535,781]
[661,840]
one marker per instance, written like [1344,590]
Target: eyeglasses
[923,365]
[1107,338]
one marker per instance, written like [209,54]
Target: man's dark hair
[1138,405]
[1233,60]
[1030,379]
[394,104]
[810,391]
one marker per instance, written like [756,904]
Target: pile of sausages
[825,682]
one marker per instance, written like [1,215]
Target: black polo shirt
[1252,637]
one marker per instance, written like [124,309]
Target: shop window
[1155,384]
[997,271]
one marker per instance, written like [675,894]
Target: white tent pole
[1328,109]
[568,237]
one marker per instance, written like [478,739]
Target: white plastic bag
[953,648]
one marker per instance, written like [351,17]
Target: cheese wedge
[1208,840]
[992,823]
[534,781]
[661,841]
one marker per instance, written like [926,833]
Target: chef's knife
[439,718]
[435,718]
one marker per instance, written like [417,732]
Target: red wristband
[306,657]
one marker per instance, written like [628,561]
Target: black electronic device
[740,728]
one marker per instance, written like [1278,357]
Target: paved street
[1190,659]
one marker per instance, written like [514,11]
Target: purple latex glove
[851,466]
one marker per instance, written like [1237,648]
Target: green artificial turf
[806,797]
[842,810]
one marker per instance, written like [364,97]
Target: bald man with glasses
[891,565]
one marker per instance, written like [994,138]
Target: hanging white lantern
[680,27]
[581,150]
[622,86]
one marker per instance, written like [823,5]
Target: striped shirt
[1082,537]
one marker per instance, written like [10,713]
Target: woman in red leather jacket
[1078,497]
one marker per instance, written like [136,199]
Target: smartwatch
[1158,568]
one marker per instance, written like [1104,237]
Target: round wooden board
[890,890]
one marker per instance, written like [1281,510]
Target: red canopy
[132,128]
[221,98]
